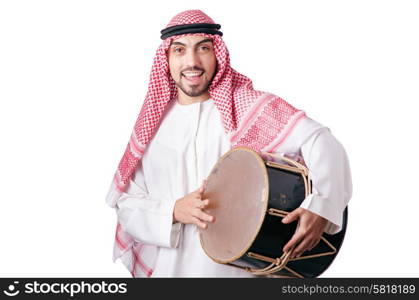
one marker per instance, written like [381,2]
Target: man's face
[192,64]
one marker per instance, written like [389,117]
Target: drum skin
[241,188]
[238,191]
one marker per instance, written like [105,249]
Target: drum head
[238,190]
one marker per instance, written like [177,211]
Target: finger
[207,211]
[203,186]
[292,216]
[204,203]
[198,192]
[301,248]
[197,197]
[201,203]
[203,216]
[293,241]
[200,224]
[314,244]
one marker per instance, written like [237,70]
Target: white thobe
[188,143]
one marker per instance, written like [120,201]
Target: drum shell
[287,190]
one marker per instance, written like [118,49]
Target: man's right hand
[189,209]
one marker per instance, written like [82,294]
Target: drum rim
[265,200]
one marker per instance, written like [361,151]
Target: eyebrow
[200,42]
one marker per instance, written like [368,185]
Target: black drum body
[286,193]
[283,189]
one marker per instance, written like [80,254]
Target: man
[196,109]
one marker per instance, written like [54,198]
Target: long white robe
[188,143]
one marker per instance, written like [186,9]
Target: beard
[193,90]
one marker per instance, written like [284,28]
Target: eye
[205,48]
[178,49]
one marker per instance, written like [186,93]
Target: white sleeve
[145,218]
[329,169]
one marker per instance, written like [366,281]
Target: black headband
[191,28]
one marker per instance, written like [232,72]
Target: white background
[73,75]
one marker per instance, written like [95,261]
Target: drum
[249,195]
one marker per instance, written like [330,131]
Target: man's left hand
[308,233]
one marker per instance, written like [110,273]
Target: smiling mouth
[193,78]
[192,74]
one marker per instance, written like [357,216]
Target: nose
[191,59]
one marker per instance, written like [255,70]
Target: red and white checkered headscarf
[250,118]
